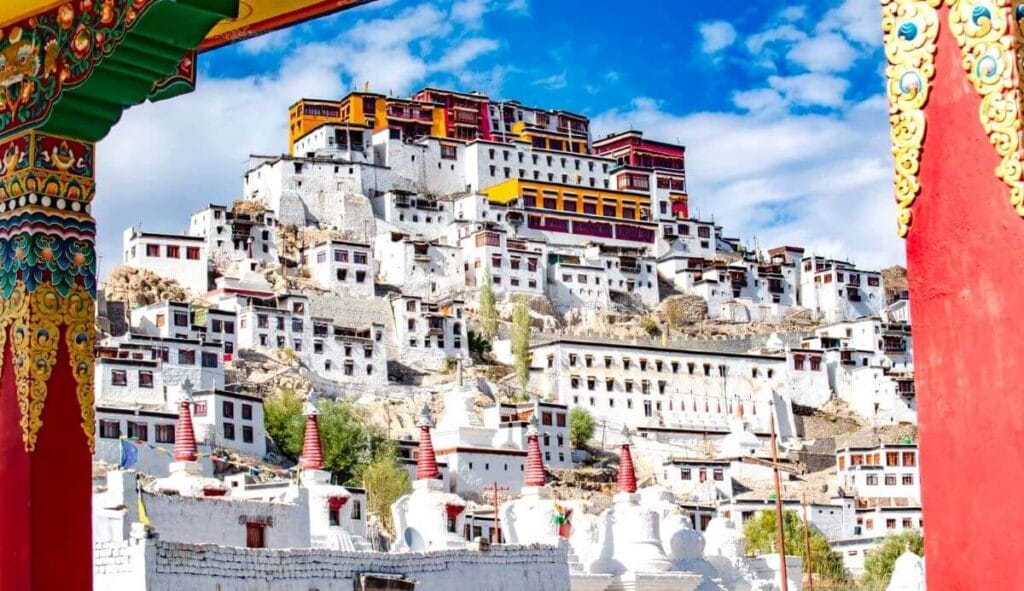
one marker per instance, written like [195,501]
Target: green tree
[488,308]
[521,342]
[479,347]
[581,427]
[760,534]
[385,481]
[879,562]
[650,326]
[347,438]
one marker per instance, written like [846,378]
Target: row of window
[228,430]
[658,365]
[170,251]
[341,256]
[890,479]
[869,525]
[549,159]
[717,474]
[892,459]
[414,342]
[111,429]
[514,281]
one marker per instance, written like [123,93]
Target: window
[209,360]
[357,510]
[890,480]
[153,250]
[908,523]
[229,431]
[165,433]
[890,524]
[798,362]
[908,458]
[173,252]
[145,379]
[685,474]
[247,412]
[119,377]
[892,458]
[138,431]
[545,419]
[110,429]
[180,318]
[718,474]
[815,363]
[192,253]
[186,357]
[247,434]
[871,480]
[228,409]
[908,479]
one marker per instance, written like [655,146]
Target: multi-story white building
[516,266]
[648,386]
[342,267]
[230,419]
[422,267]
[880,471]
[871,367]
[233,235]
[349,358]
[597,276]
[177,257]
[429,332]
[700,480]
[836,290]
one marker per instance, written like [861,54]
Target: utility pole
[496,532]
[780,532]
[807,546]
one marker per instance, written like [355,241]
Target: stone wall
[173,567]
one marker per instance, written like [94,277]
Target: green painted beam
[150,51]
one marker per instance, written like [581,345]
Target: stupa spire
[534,461]
[312,454]
[426,461]
[185,449]
[627,474]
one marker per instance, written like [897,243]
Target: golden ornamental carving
[988,42]
[80,335]
[911,28]
[34,320]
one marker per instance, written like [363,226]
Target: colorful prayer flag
[129,455]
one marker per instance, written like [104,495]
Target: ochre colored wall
[964,255]
[46,504]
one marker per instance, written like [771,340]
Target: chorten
[185,473]
[428,518]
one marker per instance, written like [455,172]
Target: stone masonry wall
[173,567]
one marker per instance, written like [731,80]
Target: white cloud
[274,41]
[759,100]
[716,36]
[858,20]
[469,11]
[824,182]
[810,90]
[757,42]
[827,52]
[552,82]
[459,56]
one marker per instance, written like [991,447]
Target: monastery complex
[352,267]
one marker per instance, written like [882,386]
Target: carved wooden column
[47,430]
[955,97]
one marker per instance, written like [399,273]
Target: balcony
[410,115]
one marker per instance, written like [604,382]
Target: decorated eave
[72,67]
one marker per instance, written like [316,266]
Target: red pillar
[47,271]
[965,241]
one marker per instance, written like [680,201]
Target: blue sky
[782,109]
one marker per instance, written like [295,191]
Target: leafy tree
[879,562]
[760,534]
[581,427]
[347,438]
[488,308]
[521,342]
[650,326]
[385,481]
[478,346]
